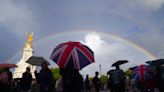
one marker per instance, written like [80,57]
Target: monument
[27,53]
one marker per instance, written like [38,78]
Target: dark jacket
[72,80]
[44,79]
[26,81]
[96,82]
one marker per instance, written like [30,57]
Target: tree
[128,72]
[1,70]
[103,79]
[55,72]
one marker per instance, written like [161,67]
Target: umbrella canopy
[72,55]
[131,68]
[156,63]
[7,65]
[120,62]
[143,72]
[148,62]
[37,61]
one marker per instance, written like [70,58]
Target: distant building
[27,53]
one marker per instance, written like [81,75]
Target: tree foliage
[128,72]
[104,79]
[55,72]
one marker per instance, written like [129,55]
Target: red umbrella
[72,55]
[7,65]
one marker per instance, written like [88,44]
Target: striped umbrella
[72,55]
[143,72]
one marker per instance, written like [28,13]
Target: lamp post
[100,69]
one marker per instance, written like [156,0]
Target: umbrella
[157,62]
[143,72]
[72,55]
[120,62]
[148,62]
[34,60]
[7,65]
[132,68]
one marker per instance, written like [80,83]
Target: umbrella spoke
[76,59]
[86,52]
[142,72]
[57,51]
[64,56]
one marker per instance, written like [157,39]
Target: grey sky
[139,21]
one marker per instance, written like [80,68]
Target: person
[4,80]
[16,84]
[59,85]
[96,82]
[45,78]
[87,83]
[72,80]
[110,84]
[117,79]
[10,78]
[147,82]
[26,80]
[9,73]
[160,78]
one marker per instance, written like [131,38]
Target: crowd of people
[119,82]
[72,81]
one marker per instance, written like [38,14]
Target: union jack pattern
[72,55]
[143,72]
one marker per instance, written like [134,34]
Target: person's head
[44,65]
[87,76]
[96,73]
[28,69]
[6,69]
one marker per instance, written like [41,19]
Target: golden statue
[29,39]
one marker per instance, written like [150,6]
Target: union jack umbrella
[72,55]
[143,72]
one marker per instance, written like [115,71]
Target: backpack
[117,76]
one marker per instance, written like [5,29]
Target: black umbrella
[37,61]
[148,62]
[132,68]
[109,72]
[157,62]
[120,62]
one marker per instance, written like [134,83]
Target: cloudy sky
[114,29]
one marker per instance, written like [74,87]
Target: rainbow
[107,34]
